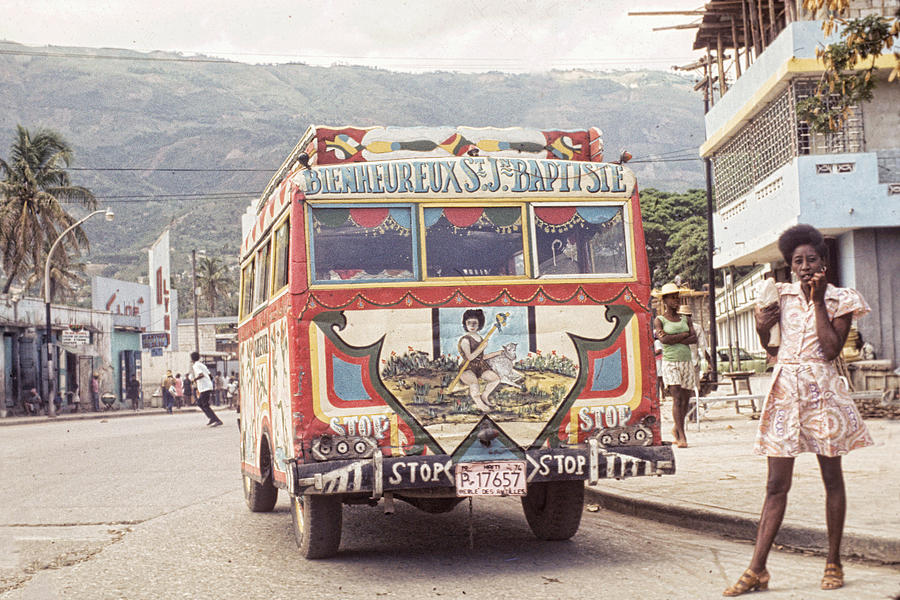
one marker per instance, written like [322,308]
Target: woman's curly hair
[800,235]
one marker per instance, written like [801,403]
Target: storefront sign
[154,340]
[70,337]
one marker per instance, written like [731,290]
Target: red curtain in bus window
[463,217]
[369,217]
[554,215]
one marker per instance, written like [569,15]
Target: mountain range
[188,142]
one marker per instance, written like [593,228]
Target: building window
[772,139]
[848,139]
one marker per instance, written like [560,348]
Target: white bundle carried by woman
[766,295]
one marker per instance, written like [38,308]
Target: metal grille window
[758,149]
[848,139]
[772,139]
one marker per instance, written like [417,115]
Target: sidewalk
[719,487]
[83,415]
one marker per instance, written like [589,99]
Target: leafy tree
[213,280]
[843,84]
[675,234]
[688,246]
[33,189]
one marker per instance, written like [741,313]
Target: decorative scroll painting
[353,144]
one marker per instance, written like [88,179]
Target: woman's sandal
[748,582]
[833,578]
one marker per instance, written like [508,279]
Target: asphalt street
[152,507]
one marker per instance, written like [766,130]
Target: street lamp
[51,405]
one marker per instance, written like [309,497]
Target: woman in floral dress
[808,408]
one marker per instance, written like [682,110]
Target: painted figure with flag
[475,362]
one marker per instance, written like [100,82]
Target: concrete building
[770,171]
[23,359]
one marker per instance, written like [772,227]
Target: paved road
[152,508]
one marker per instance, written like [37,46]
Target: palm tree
[33,188]
[212,279]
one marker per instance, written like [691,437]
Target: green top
[675,352]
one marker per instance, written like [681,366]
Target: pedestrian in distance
[676,332]
[808,408]
[220,388]
[33,404]
[74,397]
[187,389]
[95,391]
[204,385]
[133,392]
[168,391]
[231,391]
[179,391]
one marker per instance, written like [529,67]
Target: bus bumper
[377,475]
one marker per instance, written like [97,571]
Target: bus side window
[261,283]
[247,277]
[476,241]
[282,265]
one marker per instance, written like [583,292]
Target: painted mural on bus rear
[432,314]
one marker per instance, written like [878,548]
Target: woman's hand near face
[817,285]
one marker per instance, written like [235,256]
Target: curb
[111,414]
[735,525]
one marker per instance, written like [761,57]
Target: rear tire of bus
[553,508]
[260,497]
[317,524]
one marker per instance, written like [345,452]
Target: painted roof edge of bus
[585,145]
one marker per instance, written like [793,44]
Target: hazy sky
[460,35]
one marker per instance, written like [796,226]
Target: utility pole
[711,272]
[194,297]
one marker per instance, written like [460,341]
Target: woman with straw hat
[676,333]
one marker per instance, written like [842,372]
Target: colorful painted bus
[432,314]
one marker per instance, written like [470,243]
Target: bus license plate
[506,478]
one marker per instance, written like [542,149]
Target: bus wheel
[317,524]
[553,508]
[260,497]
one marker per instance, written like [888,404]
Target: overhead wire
[237,195]
[419,62]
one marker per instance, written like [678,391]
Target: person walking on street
[168,391]
[808,407]
[187,389]
[676,334]
[95,392]
[179,391]
[204,385]
[133,392]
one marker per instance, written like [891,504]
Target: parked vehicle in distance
[748,362]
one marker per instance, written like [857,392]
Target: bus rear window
[362,243]
[581,239]
[466,242]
